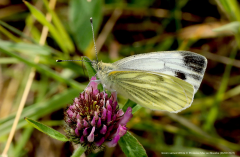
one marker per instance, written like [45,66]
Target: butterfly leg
[104,87]
[98,81]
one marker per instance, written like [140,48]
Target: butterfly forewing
[187,66]
[153,90]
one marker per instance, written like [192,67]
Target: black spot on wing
[180,75]
[198,60]
[195,62]
[196,77]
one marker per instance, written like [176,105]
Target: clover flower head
[95,119]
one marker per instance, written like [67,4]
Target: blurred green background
[122,28]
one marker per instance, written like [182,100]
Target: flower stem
[79,151]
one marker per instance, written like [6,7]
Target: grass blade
[212,116]
[47,130]
[131,147]
[11,28]
[45,70]
[80,150]
[41,18]
[25,48]
[9,35]
[62,32]
[38,110]
[91,71]
[8,60]
[80,13]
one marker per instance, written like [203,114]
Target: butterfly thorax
[102,72]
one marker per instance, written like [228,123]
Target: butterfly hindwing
[153,90]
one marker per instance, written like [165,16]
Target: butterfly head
[95,65]
[98,66]
[101,67]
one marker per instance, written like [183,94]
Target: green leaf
[20,145]
[25,48]
[80,13]
[80,150]
[91,71]
[8,60]
[41,18]
[9,34]
[131,104]
[60,28]
[225,5]
[38,110]
[232,26]
[34,31]
[136,108]
[47,130]
[234,10]
[16,31]
[44,70]
[131,147]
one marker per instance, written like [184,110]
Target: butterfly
[164,80]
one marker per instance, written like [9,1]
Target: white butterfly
[164,80]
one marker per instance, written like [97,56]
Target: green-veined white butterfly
[164,80]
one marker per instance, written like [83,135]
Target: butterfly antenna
[94,38]
[71,60]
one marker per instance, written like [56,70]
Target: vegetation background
[30,77]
